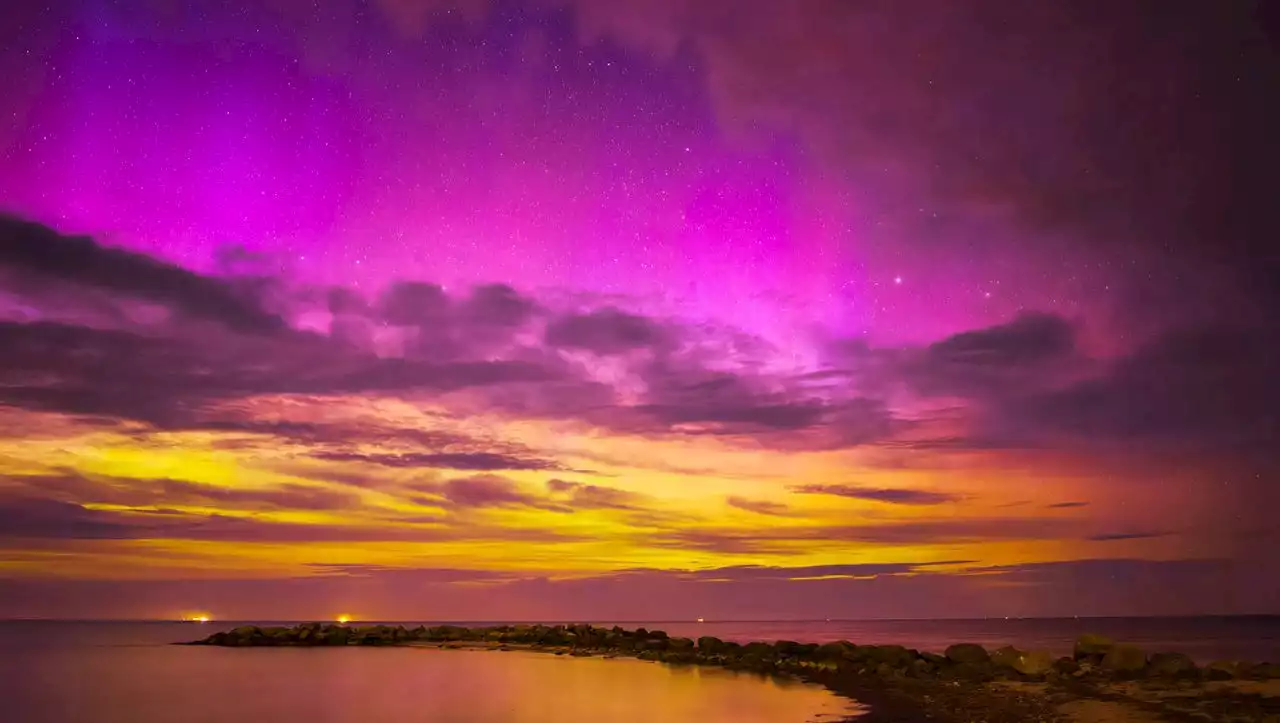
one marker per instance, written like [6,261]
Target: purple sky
[996,277]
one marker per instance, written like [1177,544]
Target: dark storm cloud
[29,249]
[445,460]
[874,494]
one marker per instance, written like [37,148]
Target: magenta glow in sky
[610,293]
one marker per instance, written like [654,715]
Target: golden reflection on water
[166,684]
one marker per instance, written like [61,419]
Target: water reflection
[168,684]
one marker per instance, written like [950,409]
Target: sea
[130,672]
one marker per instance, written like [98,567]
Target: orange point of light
[343,619]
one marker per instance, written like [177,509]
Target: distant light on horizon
[197,618]
[343,619]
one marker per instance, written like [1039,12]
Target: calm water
[59,672]
[128,673]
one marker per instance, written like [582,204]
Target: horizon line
[567,621]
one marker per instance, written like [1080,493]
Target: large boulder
[710,645]
[1124,658]
[1221,670]
[891,655]
[1267,671]
[758,650]
[837,650]
[1034,663]
[967,654]
[1171,665]
[1066,666]
[1005,657]
[1091,645]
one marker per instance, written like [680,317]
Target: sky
[575,309]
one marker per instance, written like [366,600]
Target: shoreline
[1102,680]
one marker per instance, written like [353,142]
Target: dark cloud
[1029,339]
[445,460]
[53,520]
[762,507]
[45,518]
[878,494]
[76,369]
[30,249]
[498,305]
[786,540]
[493,491]
[605,331]
[415,303]
[69,487]
[1207,387]
[1066,505]
[1029,352]
[594,497]
[1114,536]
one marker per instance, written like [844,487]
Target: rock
[1090,645]
[1066,666]
[1005,657]
[708,644]
[838,650]
[1124,658]
[1220,670]
[893,655]
[1267,671]
[970,672]
[757,650]
[967,654]
[920,668]
[933,659]
[681,644]
[1034,663]
[786,647]
[1171,665]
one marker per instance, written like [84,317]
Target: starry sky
[549,309]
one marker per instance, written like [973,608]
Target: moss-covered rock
[1005,657]
[1171,665]
[1091,645]
[1124,658]
[967,654]
[1034,663]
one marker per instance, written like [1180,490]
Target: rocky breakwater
[1002,684]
